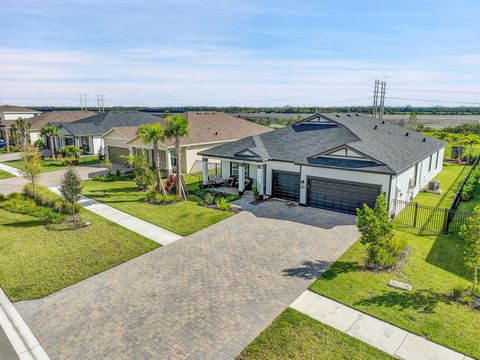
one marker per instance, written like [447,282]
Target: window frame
[246,168]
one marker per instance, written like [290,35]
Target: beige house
[206,130]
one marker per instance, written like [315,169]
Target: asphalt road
[6,349]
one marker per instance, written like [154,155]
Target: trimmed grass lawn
[35,262]
[54,165]
[294,335]
[5,175]
[450,179]
[433,267]
[182,218]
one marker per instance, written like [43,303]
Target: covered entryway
[115,154]
[343,196]
[286,185]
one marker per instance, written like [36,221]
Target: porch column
[241,178]
[260,179]
[205,171]
[168,158]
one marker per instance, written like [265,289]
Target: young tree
[22,127]
[177,127]
[32,167]
[142,174]
[470,232]
[49,131]
[154,134]
[412,122]
[70,188]
[377,232]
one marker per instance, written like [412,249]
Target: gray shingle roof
[388,145]
[100,123]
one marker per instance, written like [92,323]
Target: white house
[9,114]
[333,161]
[206,130]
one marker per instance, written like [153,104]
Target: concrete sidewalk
[144,228]
[10,169]
[384,336]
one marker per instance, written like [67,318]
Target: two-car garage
[117,154]
[324,193]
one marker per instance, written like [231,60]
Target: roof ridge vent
[406,134]
[424,139]
[376,127]
[357,115]
[383,121]
[349,115]
[337,115]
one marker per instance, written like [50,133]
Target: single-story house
[333,161]
[56,116]
[206,130]
[87,133]
[11,113]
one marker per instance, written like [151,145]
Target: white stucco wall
[34,136]
[281,166]
[191,155]
[355,176]
[96,142]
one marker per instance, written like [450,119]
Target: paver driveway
[206,296]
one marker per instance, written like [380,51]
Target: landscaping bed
[294,335]
[56,164]
[182,218]
[36,261]
[434,267]
[5,175]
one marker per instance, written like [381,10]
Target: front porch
[235,176]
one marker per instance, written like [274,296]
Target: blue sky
[185,52]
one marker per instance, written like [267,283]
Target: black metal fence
[458,195]
[428,218]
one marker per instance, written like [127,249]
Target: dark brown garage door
[342,196]
[286,185]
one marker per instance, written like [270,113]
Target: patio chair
[248,184]
[231,181]
[215,180]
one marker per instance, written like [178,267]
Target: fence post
[445,221]
[415,216]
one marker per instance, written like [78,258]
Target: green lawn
[475,149]
[35,262]
[433,267]
[53,165]
[5,175]
[183,218]
[294,335]
[450,179]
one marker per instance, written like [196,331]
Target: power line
[438,101]
[438,91]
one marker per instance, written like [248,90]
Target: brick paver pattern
[206,296]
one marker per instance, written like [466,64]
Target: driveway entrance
[206,296]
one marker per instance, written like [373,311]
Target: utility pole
[379,104]
[81,102]
[85,102]
[103,105]
[98,103]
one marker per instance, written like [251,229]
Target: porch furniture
[231,181]
[215,180]
[248,184]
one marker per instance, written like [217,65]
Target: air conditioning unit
[412,183]
[433,185]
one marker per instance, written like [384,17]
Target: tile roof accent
[299,143]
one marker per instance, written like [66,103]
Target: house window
[416,174]
[430,163]
[173,158]
[436,163]
[234,170]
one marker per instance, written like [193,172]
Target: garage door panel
[343,196]
[115,154]
[286,185]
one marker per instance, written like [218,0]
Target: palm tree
[154,134]
[50,131]
[442,135]
[470,140]
[177,127]
[22,127]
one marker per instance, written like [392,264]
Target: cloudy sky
[223,52]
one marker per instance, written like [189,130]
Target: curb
[18,333]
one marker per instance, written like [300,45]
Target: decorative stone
[399,285]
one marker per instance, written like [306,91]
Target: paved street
[7,351]
[207,295]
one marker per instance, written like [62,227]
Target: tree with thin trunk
[154,134]
[176,129]
[49,131]
[470,140]
[71,188]
[412,122]
[32,167]
[22,127]
[470,232]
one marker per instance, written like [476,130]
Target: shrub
[46,198]
[223,204]
[209,199]
[71,151]
[18,203]
[107,164]
[160,199]
[142,173]
[69,161]
[457,292]
[39,143]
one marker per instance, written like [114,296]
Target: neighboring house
[206,130]
[9,114]
[54,117]
[87,133]
[333,161]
